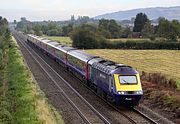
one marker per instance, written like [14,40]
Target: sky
[37,10]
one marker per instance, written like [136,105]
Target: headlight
[121,92]
[139,92]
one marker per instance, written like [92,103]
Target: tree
[5,34]
[109,28]
[114,29]
[176,27]
[37,30]
[103,28]
[24,25]
[53,32]
[15,22]
[103,24]
[140,21]
[3,25]
[86,39]
[168,29]
[23,19]
[127,32]
[67,29]
[148,30]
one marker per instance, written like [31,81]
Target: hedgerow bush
[143,45]
[85,38]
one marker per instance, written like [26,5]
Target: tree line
[165,28]
[88,37]
[108,28]
[49,28]
[4,32]
[96,35]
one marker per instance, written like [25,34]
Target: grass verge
[21,100]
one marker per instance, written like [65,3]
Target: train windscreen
[127,79]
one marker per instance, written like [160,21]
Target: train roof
[124,70]
[40,38]
[95,59]
[46,40]
[52,43]
[81,55]
[34,36]
[64,48]
[107,66]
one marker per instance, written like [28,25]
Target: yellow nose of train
[126,83]
[128,89]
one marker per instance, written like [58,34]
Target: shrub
[87,39]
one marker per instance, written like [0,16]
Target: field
[164,61]
[63,40]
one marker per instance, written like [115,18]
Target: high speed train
[118,83]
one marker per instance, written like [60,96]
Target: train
[118,83]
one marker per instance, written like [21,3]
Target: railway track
[86,111]
[134,116]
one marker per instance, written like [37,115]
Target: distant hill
[152,13]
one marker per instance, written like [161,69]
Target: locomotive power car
[119,83]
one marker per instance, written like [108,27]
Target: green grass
[164,61]
[23,102]
[64,40]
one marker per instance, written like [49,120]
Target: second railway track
[92,115]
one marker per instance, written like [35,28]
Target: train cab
[127,86]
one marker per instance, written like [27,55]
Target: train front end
[127,86]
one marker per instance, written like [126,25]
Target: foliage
[143,45]
[126,32]
[67,29]
[140,21]
[3,26]
[86,39]
[169,29]
[37,30]
[148,31]
[47,28]
[109,28]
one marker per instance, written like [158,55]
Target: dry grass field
[164,61]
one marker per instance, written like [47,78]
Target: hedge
[142,45]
